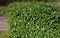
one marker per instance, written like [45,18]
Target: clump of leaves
[33,20]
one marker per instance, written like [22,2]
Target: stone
[3,23]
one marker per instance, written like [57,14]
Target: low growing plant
[33,20]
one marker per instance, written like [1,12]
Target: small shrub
[33,20]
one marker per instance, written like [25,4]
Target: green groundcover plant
[2,11]
[33,20]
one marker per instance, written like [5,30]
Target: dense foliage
[3,2]
[33,20]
